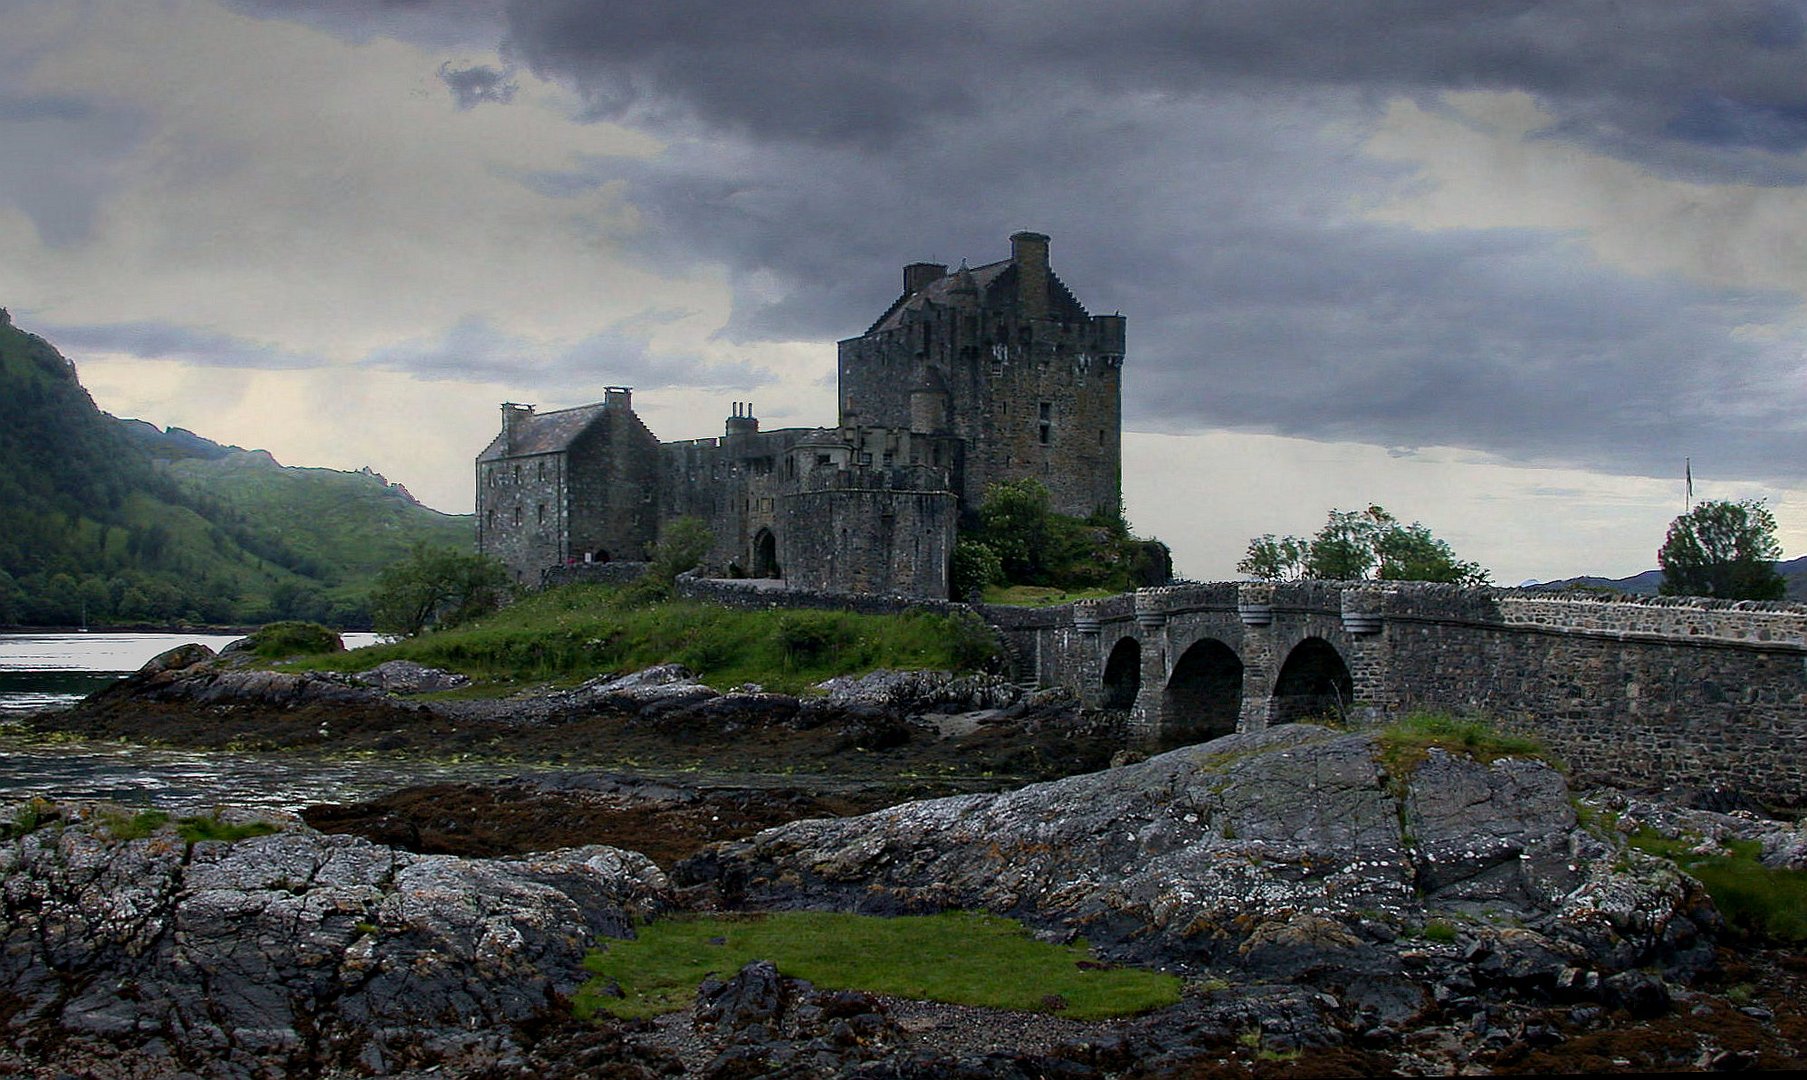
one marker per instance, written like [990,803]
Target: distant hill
[114,521]
[1794,571]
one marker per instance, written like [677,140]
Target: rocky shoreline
[1333,911]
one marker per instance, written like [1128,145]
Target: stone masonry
[970,378]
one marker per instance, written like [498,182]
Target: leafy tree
[1355,545]
[436,586]
[1275,558]
[975,565]
[1726,550]
[683,544]
[1015,519]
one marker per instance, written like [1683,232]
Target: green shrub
[276,640]
[954,957]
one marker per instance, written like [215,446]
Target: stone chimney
[743,422]
[918,276]
[618,397]
[512,416]
[1029,250]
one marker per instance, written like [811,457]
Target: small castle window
[822,459]
[542,469]
[542,510]
[517,515]
[517,479]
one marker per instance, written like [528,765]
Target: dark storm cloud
[1200,167]
[475,349]
[472,86]
[169,341]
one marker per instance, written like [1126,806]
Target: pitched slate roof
[995,284]
[543,433]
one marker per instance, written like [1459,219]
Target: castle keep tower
[969,378]
[1004,358]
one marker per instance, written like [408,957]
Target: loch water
[54,670]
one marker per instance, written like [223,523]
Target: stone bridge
[1635,690]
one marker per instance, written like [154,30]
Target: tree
[436,586]
[1355,545]
[1726,550]
[1014,521]
[683,545]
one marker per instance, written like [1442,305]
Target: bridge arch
[1123,673]
[1203,696]
[1313,682]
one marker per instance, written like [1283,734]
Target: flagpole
[1688,475]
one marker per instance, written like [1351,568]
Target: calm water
[51,670]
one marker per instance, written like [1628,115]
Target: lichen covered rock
[290,953]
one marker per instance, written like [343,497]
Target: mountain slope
[110,521]
[1794,572]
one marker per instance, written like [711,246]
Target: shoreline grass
[958,957]
[575,632]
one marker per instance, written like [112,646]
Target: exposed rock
[1287,854]
[914,692]
[288,954]
[180,658]
[408,677]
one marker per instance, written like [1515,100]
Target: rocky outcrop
[286,954]
[1288,855]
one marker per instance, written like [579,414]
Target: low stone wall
[607,573]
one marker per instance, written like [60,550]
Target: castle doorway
[1123,674]
[765,555]
[1314,684]
[1203,698]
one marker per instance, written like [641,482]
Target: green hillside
[109,521]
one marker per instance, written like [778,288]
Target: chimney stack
[618,397]
[917,276]
[512,414]
[1029,250]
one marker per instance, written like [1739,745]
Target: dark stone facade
[987,374]
[1004,358]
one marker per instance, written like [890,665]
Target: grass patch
[121,825]
[276,640]
[575,632]
[955,957]
[1407,741]
[1756,900]
[1040,595]
[196,829]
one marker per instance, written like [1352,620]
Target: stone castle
[985,374]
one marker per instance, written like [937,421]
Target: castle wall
[612,488]
[1032,384]
[520,510]
[868,539]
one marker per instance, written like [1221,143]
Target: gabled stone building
[969,378]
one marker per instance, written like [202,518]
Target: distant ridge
[119,522]
[1648,583]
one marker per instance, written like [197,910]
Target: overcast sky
[1498,266]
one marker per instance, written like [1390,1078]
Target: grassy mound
[576,632]
[957,957]
[1405,742]
[1754,899]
